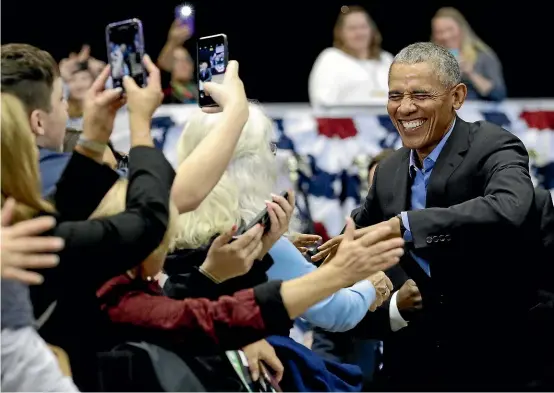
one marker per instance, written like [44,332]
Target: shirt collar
[431,159]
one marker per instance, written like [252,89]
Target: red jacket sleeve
[230,322]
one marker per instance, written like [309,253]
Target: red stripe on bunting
[541,120]
[341,128]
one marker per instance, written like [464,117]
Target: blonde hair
[114,202]
[471,43]
[243,189]
[19,156]
[376,38]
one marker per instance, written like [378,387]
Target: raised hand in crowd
[262,351]
[409,296]
[70,64]
[280,211]
[228,260]
[194,181]
[229,95]
[178,33]
[177,36]
[383,287]
[100,107]
[142,102]
[302,241]
[23,248]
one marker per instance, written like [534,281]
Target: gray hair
[444,63]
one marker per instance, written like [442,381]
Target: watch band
[97,147]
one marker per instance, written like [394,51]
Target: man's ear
[460,94]
[37,122]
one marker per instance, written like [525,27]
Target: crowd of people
[123,273]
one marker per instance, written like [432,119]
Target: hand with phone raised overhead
[229,95]
[143,102]
[228,260]
[100,107]
[178,33]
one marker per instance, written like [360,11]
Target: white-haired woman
[239,196]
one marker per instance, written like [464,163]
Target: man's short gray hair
[444,63]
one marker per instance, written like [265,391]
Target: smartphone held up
[125,44]
[184,14]
[212,60]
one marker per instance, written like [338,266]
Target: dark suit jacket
[97,250]
[478,233]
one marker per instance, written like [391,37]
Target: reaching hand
[228,260]
[302,241]
[357,259]
[280,212]
[383,287]
[263,351]
[143,102]
[100,108]
[331,245]
[22,248]
[230,93]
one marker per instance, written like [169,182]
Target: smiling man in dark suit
[461,196]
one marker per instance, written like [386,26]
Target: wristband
[96,147]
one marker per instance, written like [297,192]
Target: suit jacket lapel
[449,159]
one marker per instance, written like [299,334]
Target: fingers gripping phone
[212,60]
[125,44]
[262,218]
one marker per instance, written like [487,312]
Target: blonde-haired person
[355,70]
[110,245]
[137,309]
[28,365]
[244,190]
[481,69]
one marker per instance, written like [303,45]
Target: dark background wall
[276,42]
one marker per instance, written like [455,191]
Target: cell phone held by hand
[125,44]
[184,14]
[212,60]
[262,218]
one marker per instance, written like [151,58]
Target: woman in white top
[355,70]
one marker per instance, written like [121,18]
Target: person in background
[32,75]
[175,60]
[355,70]
[481,69]
[78,84]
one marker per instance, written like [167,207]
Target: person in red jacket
[137,309]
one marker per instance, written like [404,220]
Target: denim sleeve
[339,312]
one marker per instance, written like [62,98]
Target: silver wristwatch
[97,147]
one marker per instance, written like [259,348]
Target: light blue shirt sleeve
[339,312]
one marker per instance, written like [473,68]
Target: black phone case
[262,218]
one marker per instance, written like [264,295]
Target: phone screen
[212,60]
[125,42]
